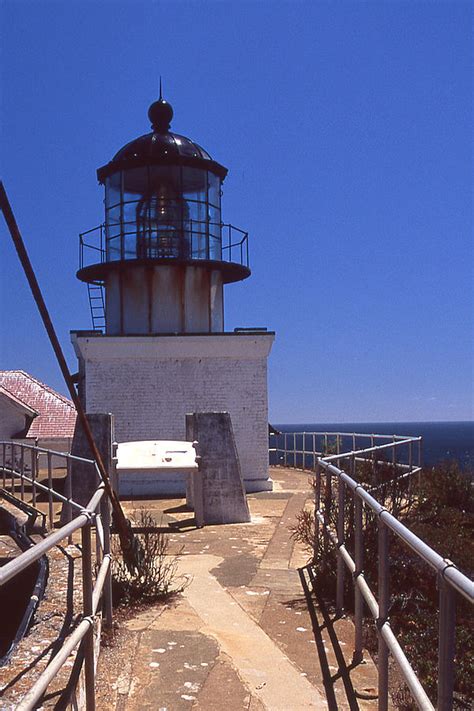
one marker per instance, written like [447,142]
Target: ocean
[441,440]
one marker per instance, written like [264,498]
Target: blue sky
[347,131]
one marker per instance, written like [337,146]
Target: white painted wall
[12,418]
[150,382]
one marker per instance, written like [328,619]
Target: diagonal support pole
[128,542]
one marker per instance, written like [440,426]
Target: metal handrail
[350,434]
[22,561]
[441,565]
[369,450]
[450,580]
[43,450]
[291,454]
[96,512]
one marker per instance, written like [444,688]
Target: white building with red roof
[32,411]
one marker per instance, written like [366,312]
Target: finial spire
[160,113]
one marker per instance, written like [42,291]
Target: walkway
[246,633]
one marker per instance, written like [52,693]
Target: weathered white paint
[156,455]
[150,382]
[164,299]
[146,468]
[14,415]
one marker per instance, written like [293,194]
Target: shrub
[156,576]
[438,506]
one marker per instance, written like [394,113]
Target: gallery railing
[332,486]
[20,468]
[196,240]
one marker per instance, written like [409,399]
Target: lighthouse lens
[161,220]
[163,212]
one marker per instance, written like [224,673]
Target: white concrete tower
[156,271]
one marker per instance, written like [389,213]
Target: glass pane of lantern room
[134,192]
[113,233]
[195,195]
[112,190]
[214,190]
[113,216]
[215,233]
[214,215]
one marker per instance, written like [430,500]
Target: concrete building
[156,271]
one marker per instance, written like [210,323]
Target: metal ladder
[97,305]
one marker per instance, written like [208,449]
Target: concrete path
[245,633]
[259,662]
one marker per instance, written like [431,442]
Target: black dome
[161,147]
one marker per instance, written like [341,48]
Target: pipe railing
[302,449]
[194,240]
[331,521]
[450,580]
[19,460]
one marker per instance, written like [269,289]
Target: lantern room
[163,254]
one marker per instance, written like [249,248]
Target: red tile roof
[56,413]
[19,403]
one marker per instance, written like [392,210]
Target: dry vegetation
[156,577]
[438,506]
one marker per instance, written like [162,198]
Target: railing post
[383,594]
[303,445]
[372,454]
[68,493]
[446,645]
[34,472]
[98,547]
[327,511]
[12,471]
[113,471]
[410,467]
[285,457]
[340,542]
[317,506]
[89,662]
[50,493]
[22,473]
[4,463]
[420,459]
[314,451]
[389,492]
[107,592]
[359,566]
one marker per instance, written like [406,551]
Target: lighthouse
[155,272]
